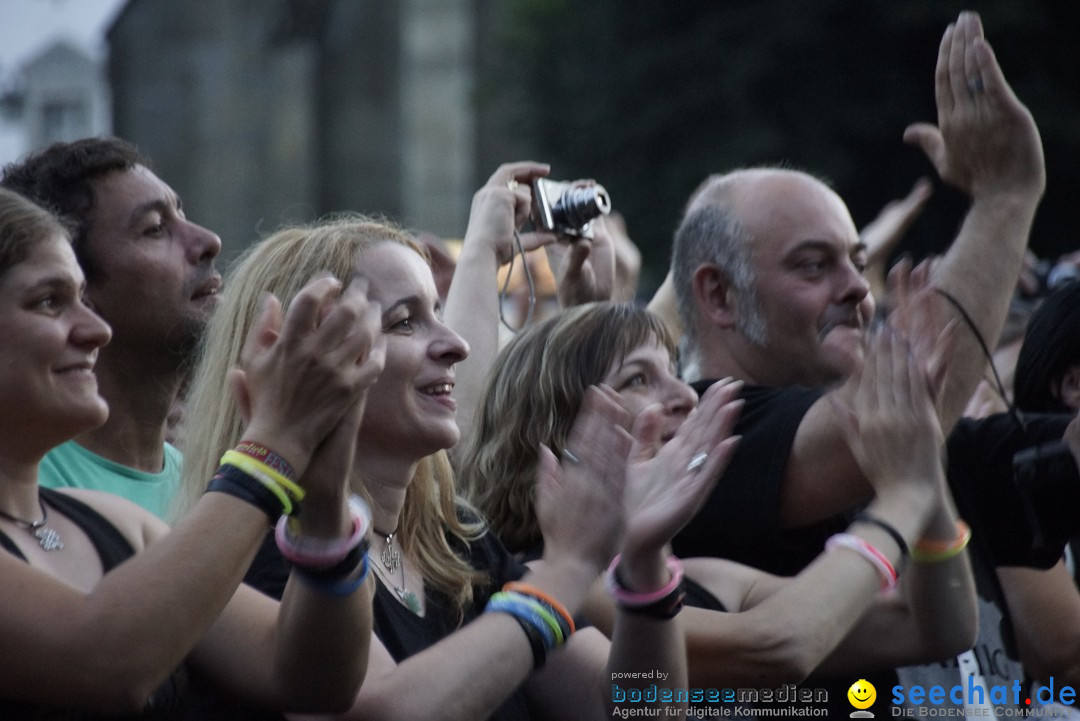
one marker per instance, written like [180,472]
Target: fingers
[918,195]
[517,177]
[646,433]
[548,471]
[990,71]
[306,308]
[972,36]
[521,172]
[238,385]
[597,437]
[538,239]
[264,329]
[958,88]
[352,325]
[712,421]
[927,138]
[942,84]
[575,260]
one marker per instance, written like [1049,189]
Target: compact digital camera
[568,208]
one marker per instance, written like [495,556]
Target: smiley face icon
[862,694]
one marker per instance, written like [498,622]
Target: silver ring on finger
[568,455]
[512,184]
[697,461]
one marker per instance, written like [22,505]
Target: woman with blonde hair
[462,630]
[105,611]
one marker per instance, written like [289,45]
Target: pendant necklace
[47,537]
[391,561]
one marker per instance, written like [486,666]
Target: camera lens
[577,206]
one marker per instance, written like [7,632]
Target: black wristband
[863,517]
[665,609]
[234,482]
[536,642]
[341,569]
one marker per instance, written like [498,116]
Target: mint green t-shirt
[69,465]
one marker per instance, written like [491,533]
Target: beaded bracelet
[865,549]
[232,481]
[262,471]
[341,586]
[930,551]
[539,595]
[320,553]
[636,599]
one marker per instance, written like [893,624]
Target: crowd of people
[376,505]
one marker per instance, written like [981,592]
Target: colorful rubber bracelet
[536,637]
[500,602]
[665,609]
[253,466]
[318,552]
[268,483]
[931,551]
[549,618]
[339,587]
[234,482]
[530,590]
[339,570]
[865,549]
[627,597]
[263,454]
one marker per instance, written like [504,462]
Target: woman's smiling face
[646,376]
[411,407]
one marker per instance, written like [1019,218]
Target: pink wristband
[320,553]
[634,598]
[878,559]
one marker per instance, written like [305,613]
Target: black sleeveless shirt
[112,548]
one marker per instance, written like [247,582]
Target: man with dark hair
[150,274]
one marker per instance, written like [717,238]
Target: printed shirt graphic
[988,664]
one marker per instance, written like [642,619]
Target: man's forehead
[782,212]
[121,190]
[120,196]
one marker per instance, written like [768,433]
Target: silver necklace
[390,557]
[47,537]
[391,561]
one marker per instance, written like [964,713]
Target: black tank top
[168,702]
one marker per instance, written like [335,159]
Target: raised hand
[889,420]
[502,206]
[666,484]
[579,501]
[584,268]
[882,235]
[986,142]
[300,372]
